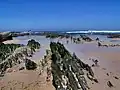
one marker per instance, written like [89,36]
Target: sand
[26,80]
[15,41]
[109,62]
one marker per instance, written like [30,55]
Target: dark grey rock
[30,65]
[22,68]
[109,84]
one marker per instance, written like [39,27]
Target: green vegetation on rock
[68,70]
[30,65]
[33,44]
[13,54]
[7,49]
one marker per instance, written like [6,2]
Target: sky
[59,14]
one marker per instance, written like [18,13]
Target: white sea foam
[95,31]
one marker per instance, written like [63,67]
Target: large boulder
[30,65]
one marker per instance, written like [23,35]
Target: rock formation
[17,54]
[30,65]
[33,44]
[86,38]
[109,84]
[68,70]
[5,36]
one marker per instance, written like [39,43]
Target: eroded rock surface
[68,70]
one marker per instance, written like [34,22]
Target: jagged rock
[95,80]
[63,63]
[17,54]
[92,78]
[86,38]
[30,65]
[109,84]
[33,44]
[89,77]
[88,68]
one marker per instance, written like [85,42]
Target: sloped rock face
[67,69]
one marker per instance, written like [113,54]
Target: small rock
[104,68]
[109,84]
[14,70]
[21,68]
[95,80]
[1,75]
[107,74]
[93,65]
[89,58]
[89,77]
[115,77]
[9,70]
[30,55]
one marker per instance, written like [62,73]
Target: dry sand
[25,80]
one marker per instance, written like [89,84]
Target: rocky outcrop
[68,70]
[5,36]
[109,84]
[113,36]
[107,45]
[19,55]
[33,44]
[56,35]
[7,49]
[86,38]
[30,65]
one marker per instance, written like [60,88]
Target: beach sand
[15,41]
[108,60]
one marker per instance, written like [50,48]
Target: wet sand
[109,62]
